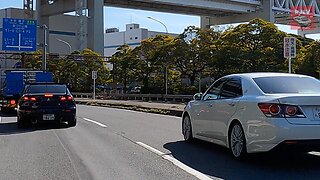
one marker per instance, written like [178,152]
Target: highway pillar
[41,20]
[95,26]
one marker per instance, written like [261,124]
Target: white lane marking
[151,149]
[95,122]
[315,153]
[178,163]
[0,119]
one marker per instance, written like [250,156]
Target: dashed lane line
[95,122]
[178,163]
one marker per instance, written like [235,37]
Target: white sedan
[255,112]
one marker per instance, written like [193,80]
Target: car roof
[266,74]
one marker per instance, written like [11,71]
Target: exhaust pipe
[34,121]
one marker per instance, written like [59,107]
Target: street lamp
[65,42]
[166,73]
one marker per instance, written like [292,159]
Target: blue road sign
[19,35]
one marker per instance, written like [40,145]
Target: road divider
[157,108]
[95,122]
[178,163]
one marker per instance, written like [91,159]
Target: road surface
[120,144]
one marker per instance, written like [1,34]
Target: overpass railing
[143,97]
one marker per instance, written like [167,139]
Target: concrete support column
[42,19]
[95,26]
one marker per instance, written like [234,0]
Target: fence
[143,97]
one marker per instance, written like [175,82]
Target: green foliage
[310,60]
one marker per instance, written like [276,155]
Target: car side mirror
[197,96]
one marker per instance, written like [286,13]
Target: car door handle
[232,104]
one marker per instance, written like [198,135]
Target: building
[133,36]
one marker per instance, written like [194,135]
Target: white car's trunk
[310,106]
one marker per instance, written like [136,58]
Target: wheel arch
[234,121]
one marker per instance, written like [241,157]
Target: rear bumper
[60,115]
[279,133]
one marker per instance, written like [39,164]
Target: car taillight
[280,110]
[64,98]
[274,109]
[26,98]
[12,102]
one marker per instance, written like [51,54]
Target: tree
[256,46]
[194,50]
[124,62]
[310,60]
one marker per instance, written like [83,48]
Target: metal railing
[143,97]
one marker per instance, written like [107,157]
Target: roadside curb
[139,108]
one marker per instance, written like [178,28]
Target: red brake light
[274,109]
[280,110]
[70,98]
[48,95]
[291,110]
[25,98]
[12,102]
[33,99]
[63,98]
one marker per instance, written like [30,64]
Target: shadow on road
[217,161]
[11,128]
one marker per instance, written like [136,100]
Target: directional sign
[290,49]
[19,35]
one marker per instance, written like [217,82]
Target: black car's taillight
[66,98]
[29,98]
[280,110]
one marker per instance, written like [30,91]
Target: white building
[133,36]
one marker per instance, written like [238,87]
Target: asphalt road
[121,144]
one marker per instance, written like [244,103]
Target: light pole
[166,73]
[65,42]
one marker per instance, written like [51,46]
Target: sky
[119,17]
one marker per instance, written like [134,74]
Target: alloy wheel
[237,141]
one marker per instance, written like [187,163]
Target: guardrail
[143,97]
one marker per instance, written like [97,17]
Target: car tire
[73,122]
[187,129]
[237,141]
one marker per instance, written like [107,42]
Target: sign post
[290,49]
[94,77]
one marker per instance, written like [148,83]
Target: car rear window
[45,88]
[288,84]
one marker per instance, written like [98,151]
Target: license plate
[316,113]
[48,117]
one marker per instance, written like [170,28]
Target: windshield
[288,84]
[45,88]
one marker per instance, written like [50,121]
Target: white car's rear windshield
[288,84]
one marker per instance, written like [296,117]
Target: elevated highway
[212,12]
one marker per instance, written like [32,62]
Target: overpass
[213,12]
